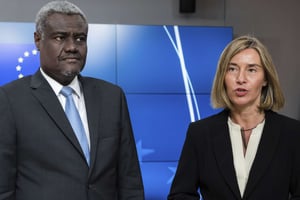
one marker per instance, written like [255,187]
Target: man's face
[63,47]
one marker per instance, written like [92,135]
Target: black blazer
[40,157]
[206,162]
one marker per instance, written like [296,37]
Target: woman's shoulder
[282,122]
[273,116]
[220,117]
[209,124]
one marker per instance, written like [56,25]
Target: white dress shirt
[77,96]
[243,163]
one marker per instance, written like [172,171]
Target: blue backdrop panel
[17,60]
[155,59]
[157,178]
[160,122]
[101,58]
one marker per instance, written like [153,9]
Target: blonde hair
[272,96]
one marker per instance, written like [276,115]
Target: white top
[77,96]
[242,164]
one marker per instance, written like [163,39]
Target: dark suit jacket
[206,161]
[40,157]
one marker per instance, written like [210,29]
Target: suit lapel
[223,152]
[92,99]
[265,152]
[49,101]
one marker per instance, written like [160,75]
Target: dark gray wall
[275,22]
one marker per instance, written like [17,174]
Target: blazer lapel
[47,98]
[265,151]
[92,99]
[223,152]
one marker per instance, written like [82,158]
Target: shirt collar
[75,85]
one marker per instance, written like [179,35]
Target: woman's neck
[247,120]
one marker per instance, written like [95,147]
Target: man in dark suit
[40,156]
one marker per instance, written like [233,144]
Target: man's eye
[81,39]
[59,38]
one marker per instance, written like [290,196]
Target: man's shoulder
[99,83]
[18,83]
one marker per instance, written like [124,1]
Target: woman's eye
[252,70]
[231,68]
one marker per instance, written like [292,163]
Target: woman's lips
[241,92]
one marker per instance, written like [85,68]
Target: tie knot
[66,91]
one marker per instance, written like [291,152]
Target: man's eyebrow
[59,33]
[68,33]
[79,33]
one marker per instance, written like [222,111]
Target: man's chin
[71,74]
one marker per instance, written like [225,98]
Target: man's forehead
[66,19]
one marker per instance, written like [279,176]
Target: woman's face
[244,79]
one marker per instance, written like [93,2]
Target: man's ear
[37,39]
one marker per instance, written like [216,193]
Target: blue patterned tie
[75,120]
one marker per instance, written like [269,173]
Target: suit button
[92,187]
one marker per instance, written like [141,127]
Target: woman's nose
[241,77]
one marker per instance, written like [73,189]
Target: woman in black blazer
[247,151]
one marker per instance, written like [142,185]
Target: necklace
[249,129]
[245,142]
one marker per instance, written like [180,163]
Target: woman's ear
[265,83]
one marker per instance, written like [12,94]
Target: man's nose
[70,45]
